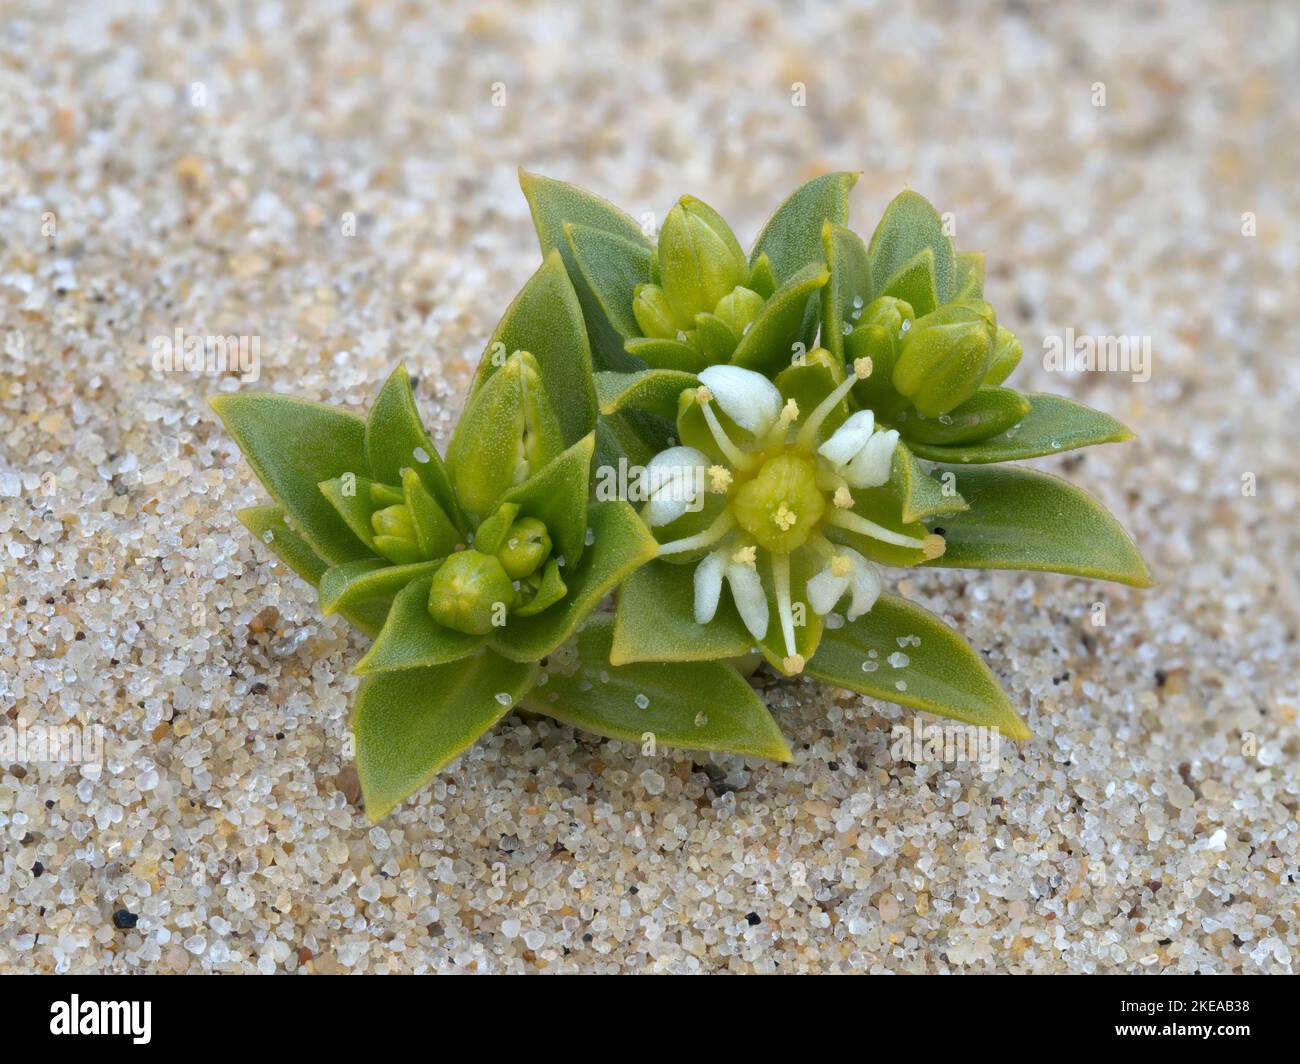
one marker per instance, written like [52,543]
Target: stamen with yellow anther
[841,566]
[934,545]
[808,431]
[842,498]
[789,415]
[719,479]
[781,576]
[730,451]
[746,556]
[852,522]
[784,518]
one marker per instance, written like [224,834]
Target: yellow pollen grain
[841,566]
[719,479]
[933,546]
[784,518]
[862,368]
[842,498]
[746,556]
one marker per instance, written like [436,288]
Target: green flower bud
[1006,356]
[945,355]
[508,431]
[526,547]
[653,313]
[739,307]
[879,337]
[395,535]
[469,592]
[700,259]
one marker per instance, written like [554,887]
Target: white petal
[849,438]
[664,509]
[825,589]
[685,458]
[865,580]
[747,590]
[748,398]
[870,468]
[708,585]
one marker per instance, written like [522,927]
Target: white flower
[675,478]
[862,456]
[746,588]
[847,571]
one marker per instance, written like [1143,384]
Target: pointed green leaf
[368,580]
[396,439]
[693,705]
[792,237]
[292,445]
[636,435]
[354,500]
[915,283]
[715,337]
[1021,519]
[943,675]
[552,589]
[666,354]
[652,390]
[545,319]
[987,413]
[411,638]
[920,494]
[409,725]
[769,344]
[553,205]
[908,225]
[803,565]
[620,544]
[969,283]
[436,534]
[612,266]
[655,620]
[850,287]
[1053,424]
[557,496]
[270,525]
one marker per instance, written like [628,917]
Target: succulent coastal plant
[859,418]
[477,575]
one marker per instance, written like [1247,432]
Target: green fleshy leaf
[769,344]
[915,283]
[715,337]
[612,266]
[1021,519]
[490,536]
[299,556]
[909,225]
[636,435]
[810,383]
[969,283]
[438,537]
[1053,424]
[620,544]
[545,319]
[508,421]
[792,237]
[352,499]
[555,204]
[693,705]
[409,725]
[655,620]
[919,494]
[762,279]
[667,354]
[557,496]
[652,390]
[987,413]
[552,589]
[292,445]
[412,639]
[850,270]
[396,439]
[353,584]
[943,675]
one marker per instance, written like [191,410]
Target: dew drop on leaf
[268,536]
[503,698]
[898,659]
[420,455]
[701,720]
[642,701]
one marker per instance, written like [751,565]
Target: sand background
[167,165]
